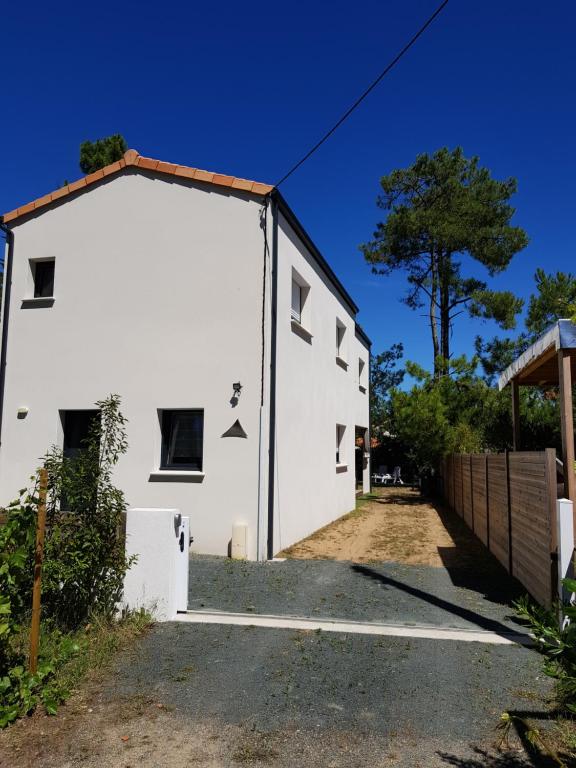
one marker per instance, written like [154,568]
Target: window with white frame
[361,375]
[300,304]
[296,310]
[340,452]
[340,341]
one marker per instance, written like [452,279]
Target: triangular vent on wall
[236,430]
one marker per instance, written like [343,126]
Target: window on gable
[182,439]
[340,430]
[43,274]
[340,337]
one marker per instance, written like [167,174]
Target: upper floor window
[182,439]
[300,307]
[296,310]
[361,375]
[43,276]
[341,344]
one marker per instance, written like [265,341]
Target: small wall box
[22,412]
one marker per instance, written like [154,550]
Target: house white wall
[158,297]
[314,394]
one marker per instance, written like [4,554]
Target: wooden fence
[509,501]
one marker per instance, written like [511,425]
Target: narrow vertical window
[340,342]
[361,375]
[340,430]
[296,311]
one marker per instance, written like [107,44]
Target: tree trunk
[433,307]
[444,279]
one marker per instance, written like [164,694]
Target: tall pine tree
[439,209]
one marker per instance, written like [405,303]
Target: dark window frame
[43,278]
[86,417]
[167,418]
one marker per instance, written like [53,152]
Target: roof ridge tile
[133,158]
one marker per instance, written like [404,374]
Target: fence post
[38,556]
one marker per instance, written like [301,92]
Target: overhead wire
[368,90]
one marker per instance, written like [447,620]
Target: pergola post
[567,422]
[515,414]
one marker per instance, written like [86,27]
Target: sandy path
[392,524]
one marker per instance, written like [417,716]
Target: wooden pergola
[549,362]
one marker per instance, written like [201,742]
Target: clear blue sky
[246,88]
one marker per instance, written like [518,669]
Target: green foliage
[440,208]
[384,376]
[460,412]
[94,155]
[555,300]
[556,643]
[85,556]
[84,560]
[21,692]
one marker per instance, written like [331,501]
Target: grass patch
[99,641]
[87,652]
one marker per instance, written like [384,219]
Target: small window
[300,304]
[340,335]
[77,426]
[361,375]
[182,439]
[43,273]
[340,430]
[296,311]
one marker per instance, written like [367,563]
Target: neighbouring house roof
[538,365]
[132,158]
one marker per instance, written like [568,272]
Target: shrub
[557,643]
[84,561]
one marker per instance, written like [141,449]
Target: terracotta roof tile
[147,163]
[132,158]
[77,185]
[185,172]
[60,192]
[203,176]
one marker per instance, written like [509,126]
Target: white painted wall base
[158,580]
[565,522]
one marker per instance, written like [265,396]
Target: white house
[200,299]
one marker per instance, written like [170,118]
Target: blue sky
[247,88]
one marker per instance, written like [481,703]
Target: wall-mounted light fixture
[237,389]
[22,412]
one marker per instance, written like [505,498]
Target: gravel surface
[383,592]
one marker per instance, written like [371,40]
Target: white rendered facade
[160,296]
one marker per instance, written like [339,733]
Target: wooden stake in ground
[38,557]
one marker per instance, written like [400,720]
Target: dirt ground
[393,524]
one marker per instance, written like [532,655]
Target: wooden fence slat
[509,501]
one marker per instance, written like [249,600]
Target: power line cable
[368,90]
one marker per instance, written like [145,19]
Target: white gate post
[565,522]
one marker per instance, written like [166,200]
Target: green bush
[557,643]
[84,562]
